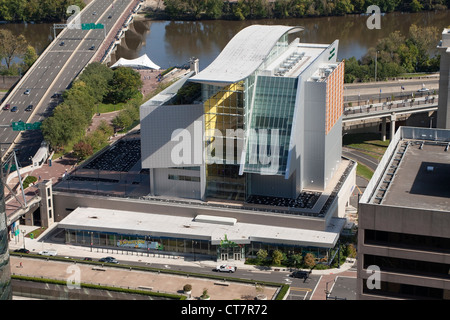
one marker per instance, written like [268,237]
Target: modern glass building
[252,161]
[283,100]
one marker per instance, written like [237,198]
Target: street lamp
[376,59]
[23,232]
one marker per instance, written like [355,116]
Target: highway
[361,92]
[54,72]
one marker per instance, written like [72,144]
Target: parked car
[48,253]
[27,92]
[225,268]
[423,90]
[14,109]
[109,260]
[92,47]
[29,108]
[22,250]
[87,259]
[61,43]
[6,106]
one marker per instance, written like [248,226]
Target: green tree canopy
[29,58]
[11,46]
[124,85]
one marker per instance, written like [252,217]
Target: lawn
[368,143]
[364,171]
[35,233]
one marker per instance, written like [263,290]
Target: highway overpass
[389,110]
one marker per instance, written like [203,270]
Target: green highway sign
[90,26]
[18,126]
[22,126]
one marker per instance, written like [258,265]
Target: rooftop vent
[215,220]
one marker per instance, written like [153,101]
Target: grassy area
[110,107]
[36,232]
[368,143]
[364,171]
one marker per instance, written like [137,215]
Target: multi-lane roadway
[359,93]
[61,62]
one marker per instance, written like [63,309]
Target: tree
[262,255]
[351,251]
[214,9]
[309,260]
[415,6]
[295,260]
[343,7]
[424,38]
[82,150]
[122,121]
[11,46]
[277,257]
[29,58]
[124,85]
[97,77]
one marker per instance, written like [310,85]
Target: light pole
[23,232]
[90,234]
[376,59]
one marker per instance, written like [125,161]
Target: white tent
[142,62]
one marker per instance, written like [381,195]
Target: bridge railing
[393,105]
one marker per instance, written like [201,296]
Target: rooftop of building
[422,179]
[243,54]
[213,228]
[415,171]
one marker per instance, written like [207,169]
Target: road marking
[301,289]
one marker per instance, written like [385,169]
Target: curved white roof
[143,62]
[245,52]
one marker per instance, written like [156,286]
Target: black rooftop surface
[422,179]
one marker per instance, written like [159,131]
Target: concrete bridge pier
[383,129]
[393,118]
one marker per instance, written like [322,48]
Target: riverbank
[276,9]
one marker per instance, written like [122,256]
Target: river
[170,43]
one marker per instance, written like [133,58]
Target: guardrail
[385,108]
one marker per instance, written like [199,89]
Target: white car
[225,268]
[423,90]
[48,253]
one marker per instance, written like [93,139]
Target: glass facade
[269,125]
[227,250]
[5,269]
[140,243]
[224,123]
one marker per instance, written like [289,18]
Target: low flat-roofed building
[404,220]
[221,237]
